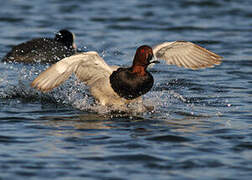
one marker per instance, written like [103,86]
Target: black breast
[130,85]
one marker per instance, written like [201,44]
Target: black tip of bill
[155,62]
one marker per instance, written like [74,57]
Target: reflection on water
[82,125]
[81,122]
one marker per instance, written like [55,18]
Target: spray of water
[15,83]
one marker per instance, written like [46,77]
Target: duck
[44,50]
[113,85]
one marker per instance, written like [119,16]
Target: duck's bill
[154,62]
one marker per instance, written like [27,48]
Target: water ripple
[168,138]
[201,123]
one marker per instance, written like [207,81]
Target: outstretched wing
[186,54]
[88,67]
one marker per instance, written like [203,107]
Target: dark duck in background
[44,50]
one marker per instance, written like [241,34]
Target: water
[201,127]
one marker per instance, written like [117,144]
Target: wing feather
[186,54]
[196,62]
[176,61]
[88,67]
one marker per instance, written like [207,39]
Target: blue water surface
[201,126]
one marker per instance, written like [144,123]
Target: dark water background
[202,124]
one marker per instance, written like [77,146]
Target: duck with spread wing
[111,85]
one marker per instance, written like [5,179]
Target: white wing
[186,54]
[88,67]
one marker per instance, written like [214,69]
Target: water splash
[16,84]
